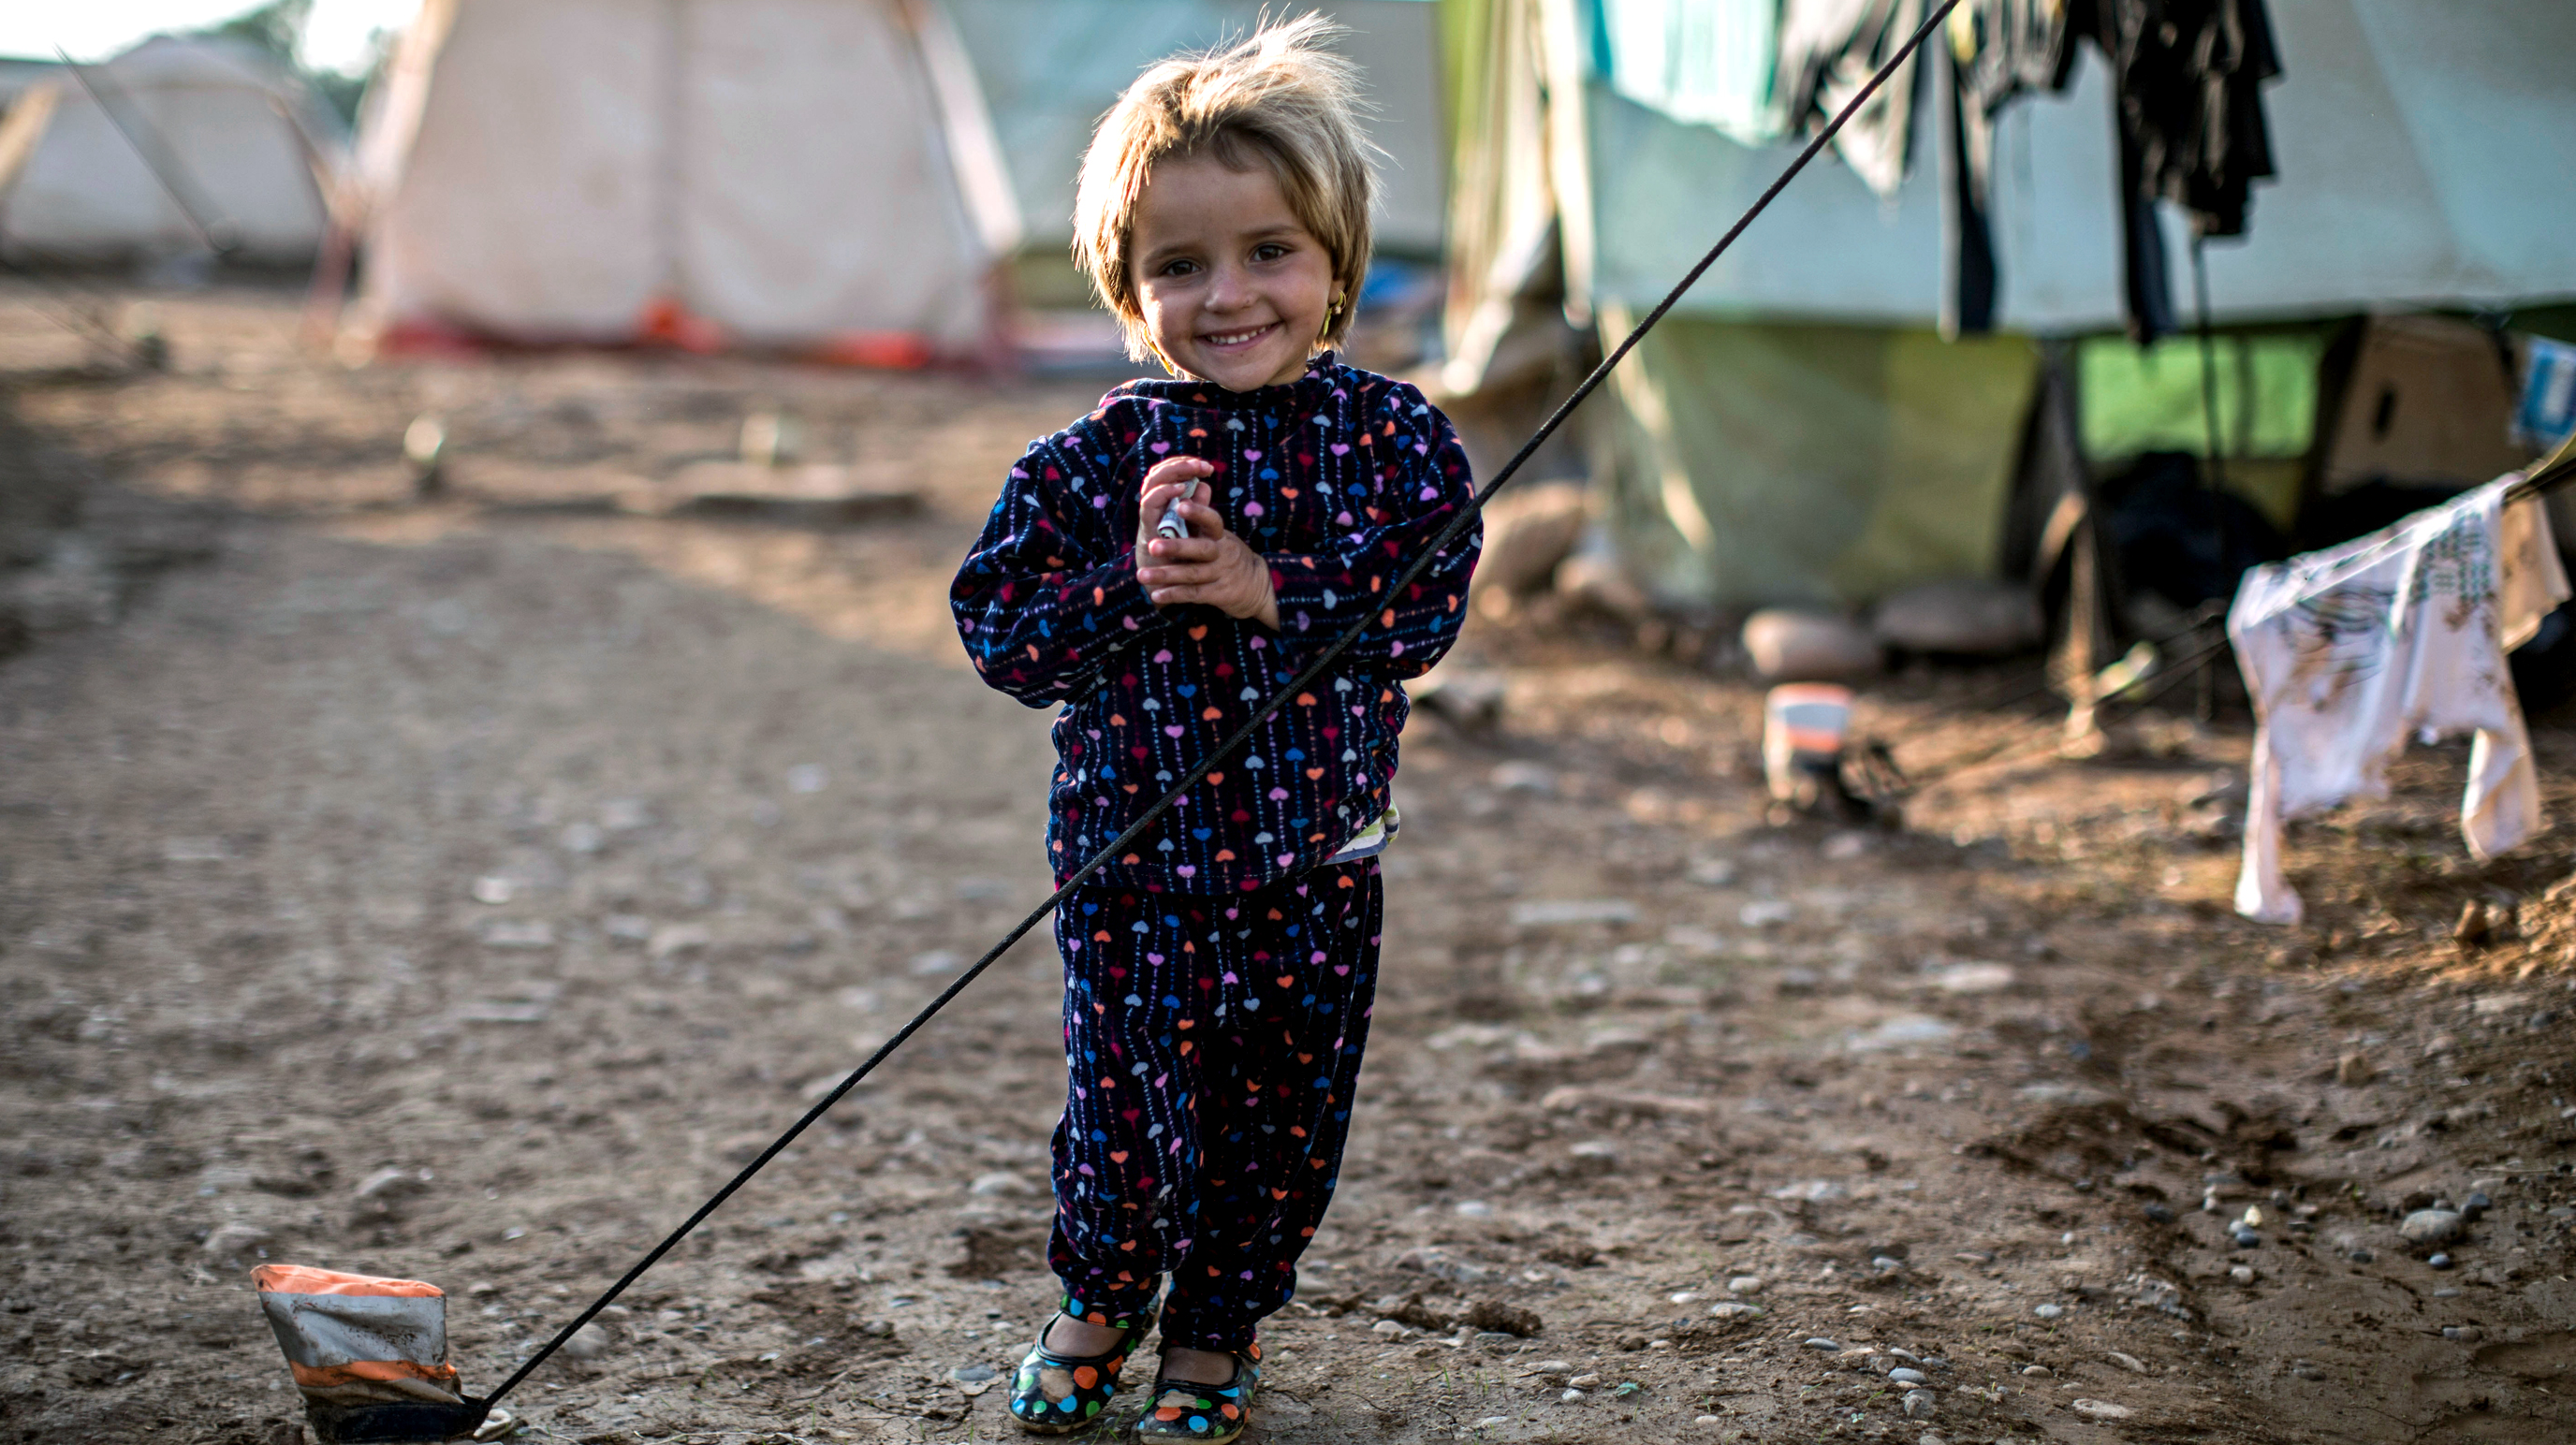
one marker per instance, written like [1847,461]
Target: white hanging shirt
[2401,634]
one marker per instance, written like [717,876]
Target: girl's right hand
[1169,480]
[1210,564]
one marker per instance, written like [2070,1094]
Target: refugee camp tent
[1796,432]
[819,175]
[1051,67]
[18,73]
[220,120]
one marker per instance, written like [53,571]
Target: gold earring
[1331,310]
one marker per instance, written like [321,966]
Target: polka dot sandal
[1054,1394]
[1203,1414]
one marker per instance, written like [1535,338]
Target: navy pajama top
[1340,478]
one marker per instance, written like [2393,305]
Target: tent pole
[157,157]
[2208,371]
[2207,701]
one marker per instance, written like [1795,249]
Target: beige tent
[818,175]
[214,114]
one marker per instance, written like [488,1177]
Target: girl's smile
[1233,339]
[1234,289]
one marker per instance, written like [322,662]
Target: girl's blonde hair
[1278,99]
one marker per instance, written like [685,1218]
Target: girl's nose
[1229,289]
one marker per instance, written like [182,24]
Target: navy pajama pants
[1212,1045]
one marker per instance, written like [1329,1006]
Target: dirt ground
[463,889]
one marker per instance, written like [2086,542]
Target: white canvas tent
[808,174]
[217,115]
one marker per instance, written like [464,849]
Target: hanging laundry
[1972,279]
[1708,62]
[2188,75]
[2005,48]
[2186,78]
[2402,634]
[1994,50]
[1828,50]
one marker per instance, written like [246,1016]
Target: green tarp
[2150,399]
[1750,463]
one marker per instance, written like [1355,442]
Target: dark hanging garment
[1828,49]
[2186,78]
[1969,275]
[2188,74]
[2146,282]
[1992,51]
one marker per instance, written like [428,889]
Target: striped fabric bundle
[363,1350]
[1803,728]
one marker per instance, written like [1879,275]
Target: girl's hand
[1166,481]
[1211,564]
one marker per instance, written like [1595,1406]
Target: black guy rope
[1432,554]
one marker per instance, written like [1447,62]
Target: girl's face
[1234,289]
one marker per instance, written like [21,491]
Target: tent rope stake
[1449,535]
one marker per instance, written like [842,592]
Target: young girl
[1219,972]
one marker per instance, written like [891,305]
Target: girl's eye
[1269,251]
[1179,268]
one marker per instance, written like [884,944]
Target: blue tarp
[1707,62]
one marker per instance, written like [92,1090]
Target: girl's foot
[1069,1375]
[1193,1410]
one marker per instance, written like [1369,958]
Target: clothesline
[2557,472]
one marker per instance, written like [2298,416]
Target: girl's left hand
[1210,565]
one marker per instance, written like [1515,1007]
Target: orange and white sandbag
[1804,726]
[354,1340]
